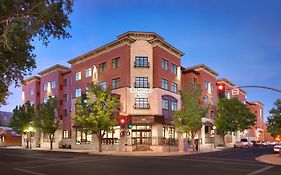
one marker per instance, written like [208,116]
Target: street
[227,162]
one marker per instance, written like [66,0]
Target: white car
[277,148]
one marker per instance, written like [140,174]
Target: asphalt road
[227,162]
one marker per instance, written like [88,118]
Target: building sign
[141,95]
[140,90]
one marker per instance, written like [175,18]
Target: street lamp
[30,130]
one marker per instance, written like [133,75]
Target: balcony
[141,65]
[142,85]
[141,106]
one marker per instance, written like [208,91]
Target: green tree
[21,21]
[47,119]
[22,118]
[189,119]
[274,119]
[94,115]
[233,116]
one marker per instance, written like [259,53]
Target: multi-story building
[144,72]
[206,78]
[141,68]
[256,133]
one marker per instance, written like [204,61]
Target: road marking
[29,172]
[260,170]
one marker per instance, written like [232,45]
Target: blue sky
[241,40]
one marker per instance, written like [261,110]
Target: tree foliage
[47,119]
[22,117]
[95,116]
[233,116]
[189,118]
[274,119]
[20,22]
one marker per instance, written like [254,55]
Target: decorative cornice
[55,67]
[161,43]
[31,79]
[102,49]
[203,66]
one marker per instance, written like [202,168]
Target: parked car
[243,143]
[277,148]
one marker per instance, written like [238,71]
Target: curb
[269,159]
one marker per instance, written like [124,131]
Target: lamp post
[29,131]
[214,128]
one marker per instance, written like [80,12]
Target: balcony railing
[142,106]
[141,65]
[142,85]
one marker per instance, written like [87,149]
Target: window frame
[78,76]
[165,64]
[115,63]
[167,84]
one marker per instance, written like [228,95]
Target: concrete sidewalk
[118,153]
[270,158]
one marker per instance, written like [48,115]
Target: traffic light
[130,125]
[122,121]
[84,100]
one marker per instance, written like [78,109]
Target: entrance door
[141,135]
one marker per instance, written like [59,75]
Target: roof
[30,79]
[184,71]
[57,66]
[129,38]
[258,102]
[204,67]
[231,84]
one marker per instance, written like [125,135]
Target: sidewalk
[118,153]
[270,158]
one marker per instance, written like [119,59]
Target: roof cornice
[55,67]
[163,44]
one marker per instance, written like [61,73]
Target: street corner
[274,159]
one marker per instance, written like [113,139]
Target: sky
[239,39]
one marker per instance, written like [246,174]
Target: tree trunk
[223,139]
[51,137]
[100,143]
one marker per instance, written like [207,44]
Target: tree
[47,119]
[274,119]
[233,116]
[22,118]
[189,118]
[20,22]
[94,116]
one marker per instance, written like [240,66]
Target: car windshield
[244,140]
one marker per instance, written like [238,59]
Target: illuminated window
[31,91]
[212,87]
[78,76]
[78,92]
[65,134]
[53,84]
[88,72]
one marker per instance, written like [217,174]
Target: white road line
[260,170]
[29,172]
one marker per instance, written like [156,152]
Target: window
[78,76]
[65,82]
[65,112]
[45,99]
[115,63]
[102,67]
[65,134]
[88,72]
[45,86]
[206,84]
[53,84]
[174,87]
[141,103]
[212,87]
[115,83]
[212,114]
[78,92]
[65,97]
[141,82]
[31,103]
[174,69]
[174,106]
[31,91]
[164,64]
[141,62]
[194,81]
[165,104]
[103,85]
[164,84]
[212,101]
[206,99]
